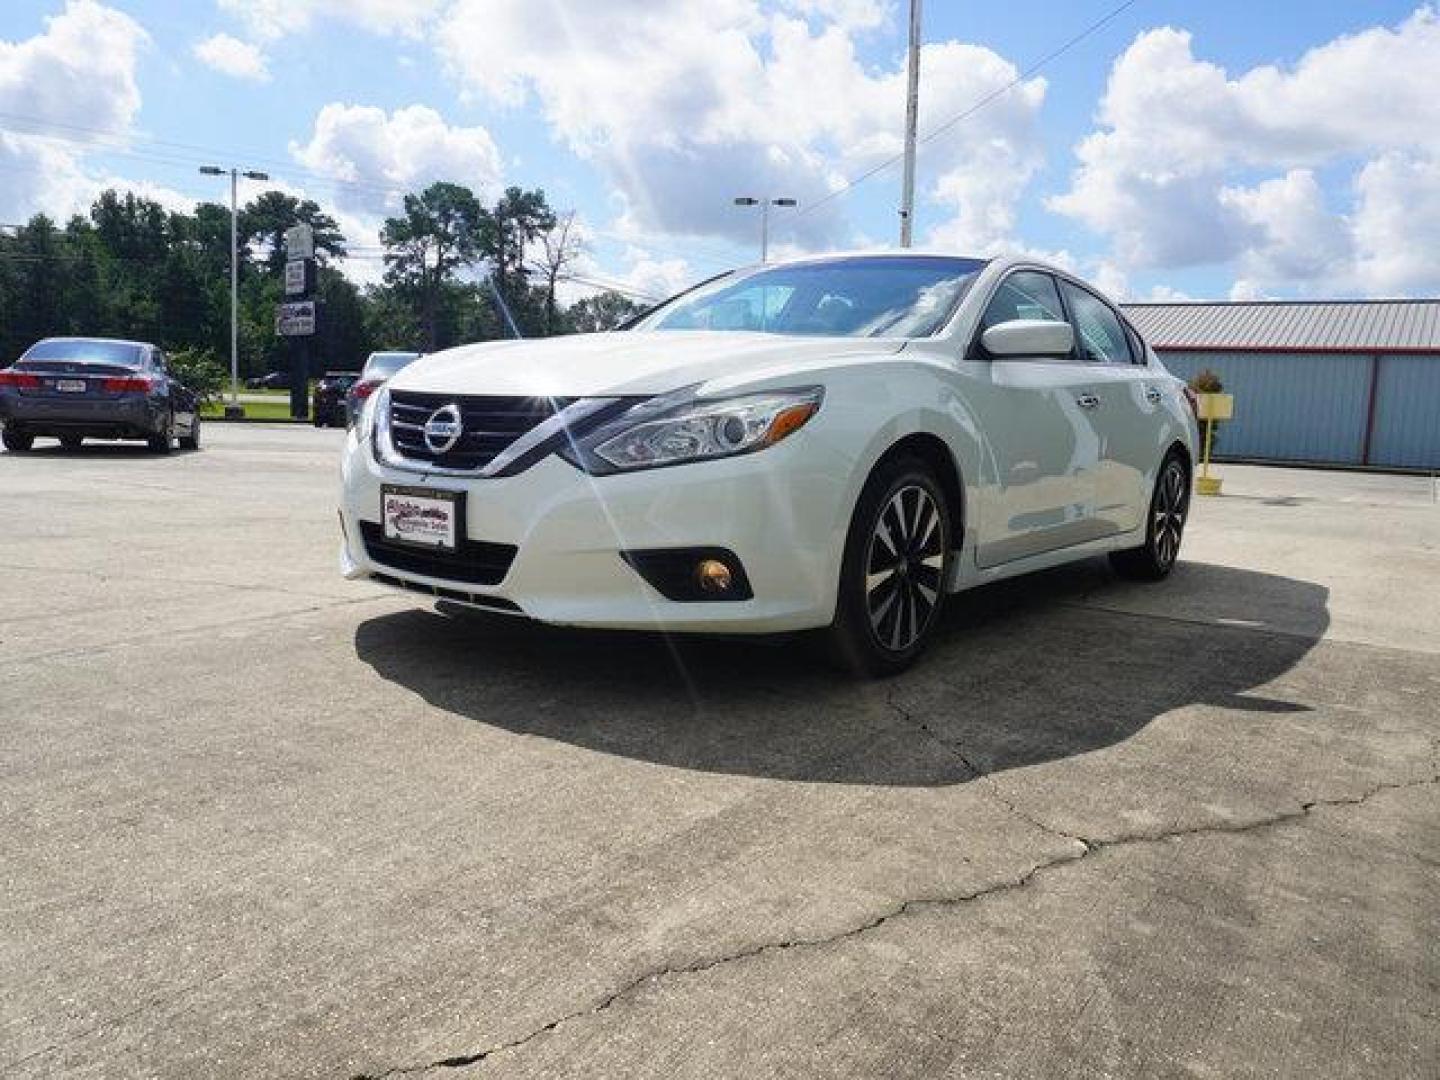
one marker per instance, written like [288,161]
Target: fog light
[713,575]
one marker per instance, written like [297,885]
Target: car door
[1124,414]
[1037,425]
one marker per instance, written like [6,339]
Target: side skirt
[964,574]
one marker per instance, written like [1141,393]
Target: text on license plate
[70,386]
[419,516]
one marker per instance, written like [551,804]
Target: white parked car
[836,441]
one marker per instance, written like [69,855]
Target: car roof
[869,253]
[106,340]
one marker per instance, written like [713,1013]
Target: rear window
[100,352]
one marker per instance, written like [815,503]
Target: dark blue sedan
[72,389]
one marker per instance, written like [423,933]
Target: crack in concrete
[1087,847]
[984,779]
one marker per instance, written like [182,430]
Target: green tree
[442,230]
[603,311]
[200,371]
[265,219]
[517,220]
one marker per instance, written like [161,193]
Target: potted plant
[1212,404]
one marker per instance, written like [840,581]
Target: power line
[609,286]
[946,125]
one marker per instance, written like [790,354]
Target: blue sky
[1204,149]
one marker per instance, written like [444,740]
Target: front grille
[473,562]
[490,425]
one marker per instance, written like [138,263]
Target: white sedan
[836,441]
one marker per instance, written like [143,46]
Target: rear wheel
[1165,528]
[892,578]
[192,441]
[72,442]
[161,444]
[17,442]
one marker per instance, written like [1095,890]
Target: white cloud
[74,86]
[376,157]
[269,19]
[1191,165]
[686,104]
[1396,225]
[231,56]
[79,72]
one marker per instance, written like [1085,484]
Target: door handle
[1087,401]
[1153,395]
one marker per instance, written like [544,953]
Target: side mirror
[1029,337]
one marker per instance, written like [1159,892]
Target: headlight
[380,399]
[678,429]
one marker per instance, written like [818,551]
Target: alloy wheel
[903,567]
[1168,514]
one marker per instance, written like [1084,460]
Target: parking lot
[260,821]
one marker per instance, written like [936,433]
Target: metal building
[1342,382]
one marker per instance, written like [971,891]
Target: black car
[327,402]
[274,380]
[72,389]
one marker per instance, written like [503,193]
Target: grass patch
[254,410]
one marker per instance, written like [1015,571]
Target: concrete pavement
[259,821]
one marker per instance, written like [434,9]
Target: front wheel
[892,577]
[1165,527]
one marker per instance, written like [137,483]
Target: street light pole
[233,410]
[912,110]
[764,204]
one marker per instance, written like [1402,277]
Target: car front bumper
[778,511]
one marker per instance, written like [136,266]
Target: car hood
[590,365]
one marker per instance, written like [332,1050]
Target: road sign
[295,320]
[300,242]
[299,276]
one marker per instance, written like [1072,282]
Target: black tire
[192,441]
[891,590]
[162,444]
[72,442]
[1165,526]
[17,442]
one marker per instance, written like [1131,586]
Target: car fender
[869,409]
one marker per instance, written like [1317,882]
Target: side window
[1098,331]
[157,361]
[1025,294]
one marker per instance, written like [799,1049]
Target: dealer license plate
[421,516]
[71,386]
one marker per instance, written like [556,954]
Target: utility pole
[233,410]
[912,110]
[764,204]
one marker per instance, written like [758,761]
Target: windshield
[103,352]
[865,296]
[385,364]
